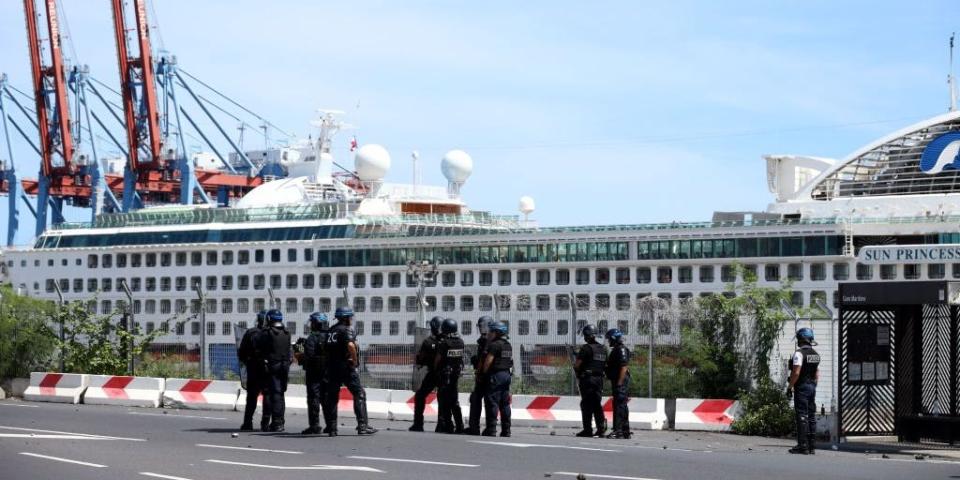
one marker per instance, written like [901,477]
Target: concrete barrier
[56,387]
[201,394]
[715,415]
[126,391]
[402,403]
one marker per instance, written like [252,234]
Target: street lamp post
[203,330]
[127,324]
[422,272]
[63,337]
[834,427]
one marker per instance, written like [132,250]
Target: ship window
[523,327]
[818,294]
[359,280]
[165,259]
[664,274]
[359,304]
[623,276]
[225,327]
[466,278]
[107,261]
[275,282]
[78,285]
[91,284]
[523,302]
[841,271]
[728,274]
[466,327]
[181,259]
[121,260]
[602,325]
[486,303]
[543,303]
[665,296]
[307,254]
[795,271]
[136,260]
[393,304]
[602,301]
[563,302]
[504,277]
[226,282]
[211,305]
[259,282]
[64,285]
[324,304]
[411,303]
[196,258]
[226,306]
[226,258]
[243,306]
[888,272]
[543,327]
[49,263]
[466,303]
[796,298]
[706,274]
[258,256]
[211,283]
[92,261]
[243,257]
[955,270]
[135,284]
[602,276]
[376,328]
[291,305]
[106,307]
[292,281]
[394,327]
[543,277]
[211,258]
[211,328]
[448,303]
[563,327]
[643,275]
[431,303]
[291,254]
[376,304]
[342,279]
[582,276]
[49,285]
[486,278]
[324,280]
[275,255]
[107,285]
[911,271]
[503,302]
[563,276]
[623,301]
[376,280]
[685,274]
[864,272]
[771,272]
[523,277]
[307,305]
[195,328]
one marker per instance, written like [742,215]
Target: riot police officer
[274,344]
[314,364]
[589,366]
[619,375]
[344,360]
[479,385]
[448,365]
[425,358]
[249,355]
[804,373]
[497,370]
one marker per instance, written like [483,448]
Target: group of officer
[329,356]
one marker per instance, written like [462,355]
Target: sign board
[879,254]
[868,357]
[853,294]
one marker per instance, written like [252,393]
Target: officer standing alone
[497,371]
[479,385]
[619,375]
[448,365]
[425,358]
[274,343]
[804,373]
[257,376]
[314,364]
[589,366]
[343,355]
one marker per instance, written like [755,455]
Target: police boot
[811,443]
[457,420]
[416,427]
[489,432]
[366,430]
[601,429]
[587,429]
[265,426]
[246,427]
[311,431]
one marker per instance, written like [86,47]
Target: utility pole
[422,272]
[126,323]
[63,337]
[203,330]
[573,343]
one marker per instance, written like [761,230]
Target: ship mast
[951,80]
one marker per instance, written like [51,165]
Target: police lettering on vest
[809,361]
[340,336]
[451,354]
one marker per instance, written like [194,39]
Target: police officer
[804,373]
[589,366]
[343,356]
[448,365]
[248,354]
[274,344]
[314,363]
[619,375]
[479,385]
[425,358]
[497,370]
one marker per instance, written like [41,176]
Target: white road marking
[537,445]
[45,436]
[650,447]
[65,460]
[174,416]
[228,447]
[167,477]
[91,436]
[407,460]
[310,467]
[18,405]
[918,462]
[597,475]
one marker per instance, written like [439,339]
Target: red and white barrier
[201,394]
[645,413]
[402,403]
[715,415]
[56,387]
[126,391]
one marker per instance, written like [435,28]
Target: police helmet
[435,325]
[261,318]
[483,323]
[614,335]
[805,335]
[343,312]
[318,321]
[498,327]
[589,332]
[276,317]
[449,326]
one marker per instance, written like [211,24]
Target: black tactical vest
[428,351]
[503,360]
[597,359]
[279,345]
[452,349]
[340,336]
[811,362]
[314,351]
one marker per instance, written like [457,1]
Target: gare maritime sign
[910,254]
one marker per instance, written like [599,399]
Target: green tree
[27,342]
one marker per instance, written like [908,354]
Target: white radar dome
[456,166]
[372,163]
[526,205]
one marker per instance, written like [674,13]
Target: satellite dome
[526,205]
[456,166]
[372,163]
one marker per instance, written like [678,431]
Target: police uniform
[592,357]
[252,358]
[425,358]
[342,373]
[618,358]
[804,395]
[449,366]
[274,342]
[479,387]
[315,366]
[497,397]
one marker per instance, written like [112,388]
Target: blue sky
[603,112]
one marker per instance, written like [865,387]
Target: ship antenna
[415,155]
[951,81]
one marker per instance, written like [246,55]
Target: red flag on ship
[353,144]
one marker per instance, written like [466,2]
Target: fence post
[59,311]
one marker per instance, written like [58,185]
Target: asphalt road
[51,441]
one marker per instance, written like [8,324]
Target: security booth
[899,360]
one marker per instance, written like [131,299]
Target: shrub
[765,411]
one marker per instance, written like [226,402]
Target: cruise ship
[318,239]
